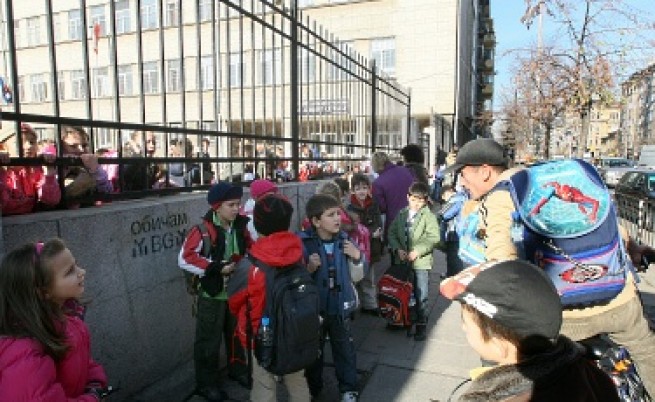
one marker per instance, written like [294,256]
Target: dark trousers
[343,354]
[215,322]
[454,264]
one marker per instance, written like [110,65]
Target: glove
[212,281]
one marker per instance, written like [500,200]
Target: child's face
[415,203]
[67,278]
[329,223]
[228,210]
[361,191]
[487,350]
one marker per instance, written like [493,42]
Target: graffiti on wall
[155,234]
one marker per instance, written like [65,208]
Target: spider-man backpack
[565,222]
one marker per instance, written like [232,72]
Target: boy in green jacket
[413,234]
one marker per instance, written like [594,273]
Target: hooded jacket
[29,374]
[247,286]
[563,375]
[23,187]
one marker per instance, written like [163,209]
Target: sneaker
[421,333]
[350,396]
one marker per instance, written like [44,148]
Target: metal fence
[637,215]
[232,89]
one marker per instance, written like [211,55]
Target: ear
[315,221]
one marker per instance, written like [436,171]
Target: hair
[359,179]
[412,153]
[332,189]
[318,204]
[379,160]
[25,277]
[419,189]
[343,184]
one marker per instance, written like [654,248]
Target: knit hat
[260,187]
[272,214]
[516,294]
[483,151]
[223,191]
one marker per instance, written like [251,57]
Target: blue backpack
[472,242]
[565,222]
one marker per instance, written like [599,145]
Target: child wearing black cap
[511,314]
[229,241]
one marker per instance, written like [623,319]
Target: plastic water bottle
[516,233]
[265,335]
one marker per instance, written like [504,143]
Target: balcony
[487,90]
[489,39]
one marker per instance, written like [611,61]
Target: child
[335,263]
[511,314]
[367,212]
[258,189]
[413,234]
[276,247]
[230,240]
[45,352]
[448,217]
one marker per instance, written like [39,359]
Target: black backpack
[292,306]
[193,280]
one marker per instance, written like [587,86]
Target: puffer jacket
[30,375]
[563,375]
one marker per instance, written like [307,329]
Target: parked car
[612,169]
[638,183]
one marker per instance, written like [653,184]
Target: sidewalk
[392,366]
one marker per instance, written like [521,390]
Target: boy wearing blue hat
[229,239]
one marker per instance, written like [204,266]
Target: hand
[351,250]
[413,255]
[402,254]
[49,160]
[90,161]
[314,263]
[377,233]
[640,252]
[228,268]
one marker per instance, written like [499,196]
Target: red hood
[367,201]
[280,249]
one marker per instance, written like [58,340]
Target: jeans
[625,325]
[214,322]
[343,354]
[421,285]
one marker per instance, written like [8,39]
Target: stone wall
[139,312]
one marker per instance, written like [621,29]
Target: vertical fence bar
[374,124]
[294,82]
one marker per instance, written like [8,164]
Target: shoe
[243,380]
[212,394]
[370,311]
[421,333]
[350,396]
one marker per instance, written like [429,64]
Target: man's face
[476,180]
[74,143]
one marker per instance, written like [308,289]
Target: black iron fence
[188,92]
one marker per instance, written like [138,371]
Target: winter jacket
[347,272]
[29,374]
[247,286]
[390,191]
[23,187]
[562,374]
[191,259]
[369,215]
[423,236]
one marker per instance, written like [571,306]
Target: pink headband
[38,246]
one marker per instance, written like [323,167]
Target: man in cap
[482,164]
[229,241]
[511,314]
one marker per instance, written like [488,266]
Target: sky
[511,34]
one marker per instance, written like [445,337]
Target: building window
[101,82]
[237,69]
[98,17]
[149,14]
[78,84]
[74,25]
[21,87]
[350,139]
[33,31]
[207,72]
[125,80]
[39,84]
[307,66]
[344,63]
[270,63]
[18,41]
[150,78]
[123,22]
[172,13]
[56,27]
[61,86]
[305,3]
[205,10]
[383,51]
[173,75]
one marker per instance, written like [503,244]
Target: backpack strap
[206,240]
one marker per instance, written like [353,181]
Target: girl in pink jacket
[44,345]
[23,187]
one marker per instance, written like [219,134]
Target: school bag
[565,222]
[192,280]
[292,307]
[395,295]
[472,243]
